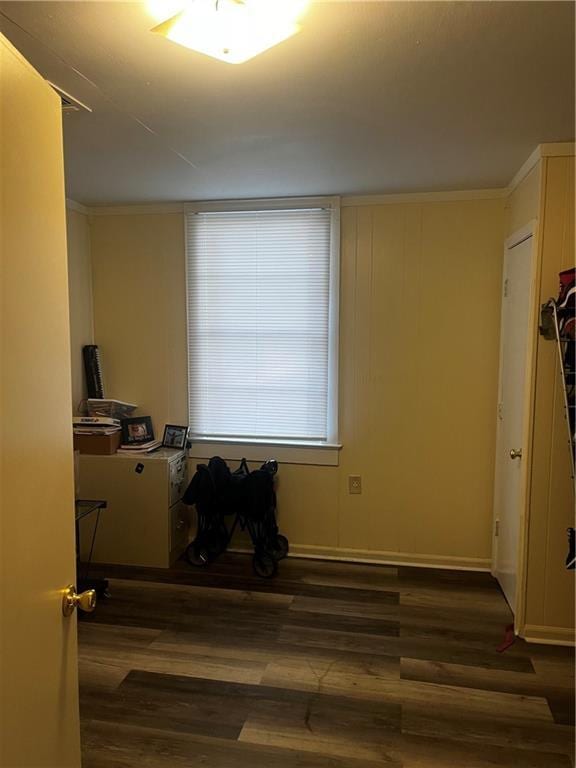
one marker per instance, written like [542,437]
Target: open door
[517,334]
[38,656]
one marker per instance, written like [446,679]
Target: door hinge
[500,411]
[497,528]
[506,288]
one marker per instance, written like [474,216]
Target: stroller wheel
[197,555]
[281,547]
[265,565]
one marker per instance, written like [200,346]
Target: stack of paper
[116,409]
[136,448]
[95,425]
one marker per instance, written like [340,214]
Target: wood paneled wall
[420,328]
[419,335]
[549,586]
[140,312]
[80,292]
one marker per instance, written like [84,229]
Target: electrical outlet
[354,484]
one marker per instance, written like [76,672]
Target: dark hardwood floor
[330,665]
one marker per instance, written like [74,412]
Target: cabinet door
[135,527]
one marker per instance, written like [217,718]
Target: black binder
[93,371]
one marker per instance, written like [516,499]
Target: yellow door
[38,658]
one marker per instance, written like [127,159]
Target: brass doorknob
[516,453]
[86,601]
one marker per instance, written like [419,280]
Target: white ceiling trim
[72,205]
[425,197]
[552,149]
[142,209]
[558,149]
[345,201]
[525,168]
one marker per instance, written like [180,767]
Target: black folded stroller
[250,498]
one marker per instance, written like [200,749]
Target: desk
[87,506]
[83,508]
[146,523]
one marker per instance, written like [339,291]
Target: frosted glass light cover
[233,31]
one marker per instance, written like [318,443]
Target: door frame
[528,399]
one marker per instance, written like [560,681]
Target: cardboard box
[100,445]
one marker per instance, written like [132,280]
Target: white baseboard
[372,557]
[533,633]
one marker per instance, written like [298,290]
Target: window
[262,323]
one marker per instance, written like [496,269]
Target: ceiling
[371,97]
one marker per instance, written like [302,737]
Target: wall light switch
[354,484]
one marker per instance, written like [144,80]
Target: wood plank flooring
[329,665]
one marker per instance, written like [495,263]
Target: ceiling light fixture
[233,30]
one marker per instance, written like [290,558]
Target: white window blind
[260,320]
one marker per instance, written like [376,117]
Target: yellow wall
[420,309]
[420,304]
[140,312]
[80,291]
[548,194]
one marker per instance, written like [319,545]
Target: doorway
[516,340]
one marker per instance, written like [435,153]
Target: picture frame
[175,436]
[137,429]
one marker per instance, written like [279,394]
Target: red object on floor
[509,638]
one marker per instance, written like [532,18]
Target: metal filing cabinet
[145,522]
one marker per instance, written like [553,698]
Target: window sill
[285,451]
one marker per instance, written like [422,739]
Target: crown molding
[558,149]
[72,205]
[525,168]
[552,149]
[140,209]
[424,197]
